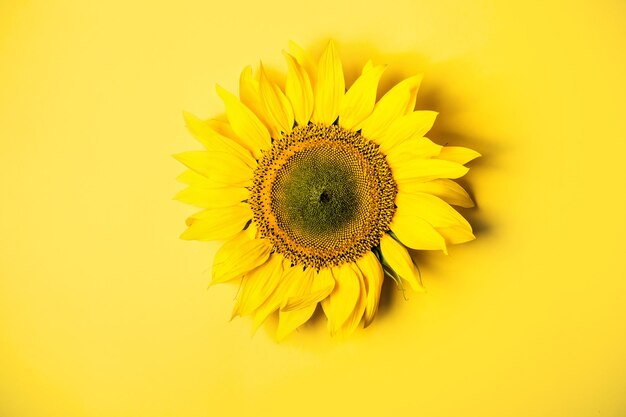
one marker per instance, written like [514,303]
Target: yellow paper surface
[104,312]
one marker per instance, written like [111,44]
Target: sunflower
[318,191]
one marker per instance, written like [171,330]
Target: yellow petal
[412,84]
[414,124]
[299,90]
[412,149]
[428,207]
[238,256]
[448,190]
[340,304]
[354,318]
[458,154]
[219,167]
[369,65]
[421,170]
[245,123]
[456,234]
[191,177]
[297,287]
[304,60]
[397,102]
[215,142]
[417,233]
[321,285]
[212,197]
[289,282]
[257,286]
[277,107]
[250,95]
[223,128]
[359,100]
[330,87]
[218,223]
[398,258]
[372,272]
[288,321]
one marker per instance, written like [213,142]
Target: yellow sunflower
[318,191]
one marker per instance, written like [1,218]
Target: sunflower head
[323,196]
[317,192]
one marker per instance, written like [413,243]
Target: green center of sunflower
[316,192]
[323,195]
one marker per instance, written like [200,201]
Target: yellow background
[104,312]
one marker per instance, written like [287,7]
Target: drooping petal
[245,123]
[219,167]
[212,197]
[448,190]
[322,284]
[330,87]
[359,100]
[422,170]
[414,124]
[299,90]
[416,233]
[395,103]
[258,285]
[373,276]
[238,256]
[215,142]
[353,320]
[277,106]
[458,154]
[398,258]
[343,299]
[217,224]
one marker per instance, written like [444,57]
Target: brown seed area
[323,195]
